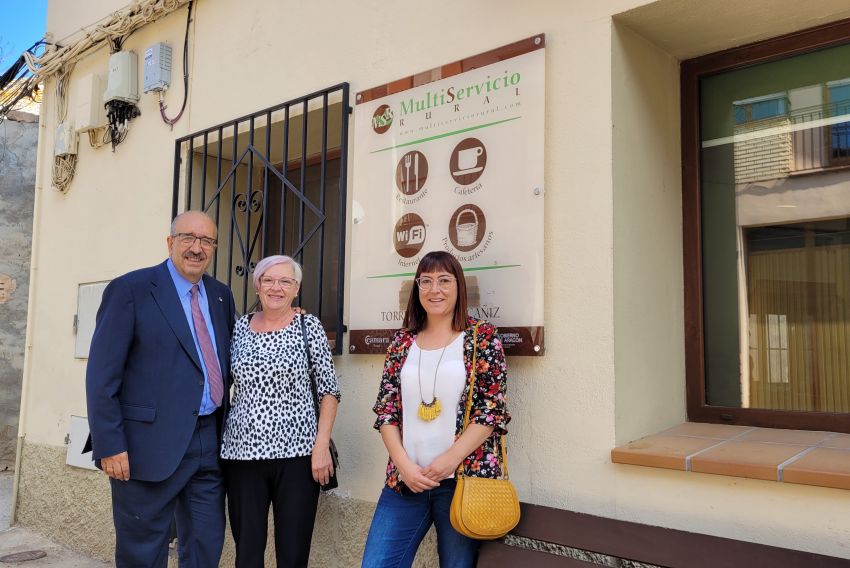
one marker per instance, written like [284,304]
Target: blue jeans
[401,521]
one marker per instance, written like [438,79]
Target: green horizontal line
[461,131]
[478,268]
[472,269]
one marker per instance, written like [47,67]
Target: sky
[22,23]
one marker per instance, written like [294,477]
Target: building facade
[632,252]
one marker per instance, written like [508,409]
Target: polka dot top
[272,413]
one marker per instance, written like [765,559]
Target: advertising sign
[452,159]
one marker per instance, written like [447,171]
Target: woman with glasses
[274,451]
[428,366]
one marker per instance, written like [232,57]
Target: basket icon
[467,232]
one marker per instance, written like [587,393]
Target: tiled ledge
[789,456]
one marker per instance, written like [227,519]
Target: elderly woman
[274,450]
[428,366]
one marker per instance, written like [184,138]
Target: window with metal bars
[275,183]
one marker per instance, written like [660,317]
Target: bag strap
[311,375]
[471,378]
[469,406]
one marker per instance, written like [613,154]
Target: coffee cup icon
[468,159]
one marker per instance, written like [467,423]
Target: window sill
[788,456]
[820,170]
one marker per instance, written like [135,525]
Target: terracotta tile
[745,459]
[705,430]
[826,467]
[660,451]
[841,441]
[777,436]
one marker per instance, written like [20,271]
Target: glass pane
[775,193]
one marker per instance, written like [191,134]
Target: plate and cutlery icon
[466,164]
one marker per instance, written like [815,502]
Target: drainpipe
[40,166]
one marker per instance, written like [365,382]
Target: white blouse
[425,440]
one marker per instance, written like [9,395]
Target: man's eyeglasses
[443,283]
[285,283]
[188,240]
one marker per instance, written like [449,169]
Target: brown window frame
[692,70]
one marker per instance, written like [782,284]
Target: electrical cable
[64,165]
[64,168]
[118,25]
[18,83]
[119,114]
[172,121]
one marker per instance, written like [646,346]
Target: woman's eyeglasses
[443,283]
[285,283]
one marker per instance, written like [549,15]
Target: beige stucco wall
[648,288]
[614,366]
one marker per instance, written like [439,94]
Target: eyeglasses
[443,283]
[188,240]
[285,283]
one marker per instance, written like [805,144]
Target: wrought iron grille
[275,183]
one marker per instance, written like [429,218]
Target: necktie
[210,360]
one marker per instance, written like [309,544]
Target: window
[275,182]
[760,108]
[839,106]
[766,205]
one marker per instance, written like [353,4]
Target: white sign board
[452,164]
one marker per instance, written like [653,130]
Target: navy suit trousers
[142,510]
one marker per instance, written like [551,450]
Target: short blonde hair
[264,265]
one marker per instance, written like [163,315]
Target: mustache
[195,255]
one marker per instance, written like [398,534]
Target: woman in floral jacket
[428,366]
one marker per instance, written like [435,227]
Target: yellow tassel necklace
[429,410]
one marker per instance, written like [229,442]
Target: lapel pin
[219,299]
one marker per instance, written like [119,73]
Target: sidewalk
[19,539]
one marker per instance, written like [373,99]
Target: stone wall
[72,506]
[18,141]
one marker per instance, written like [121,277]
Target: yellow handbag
[483,508]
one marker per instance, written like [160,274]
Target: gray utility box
[123,82]
[157,67]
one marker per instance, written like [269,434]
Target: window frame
[256,149]
[691,71]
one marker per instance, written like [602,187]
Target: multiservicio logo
[382,119]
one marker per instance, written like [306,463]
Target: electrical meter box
[88,96]
[123,81]
[157,67]
[66,140]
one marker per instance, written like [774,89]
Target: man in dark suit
[157,390]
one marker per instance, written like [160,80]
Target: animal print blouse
[272,414]
[488,397]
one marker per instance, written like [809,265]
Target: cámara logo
[382,119]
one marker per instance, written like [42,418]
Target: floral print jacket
[488,397]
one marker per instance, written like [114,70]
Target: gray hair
[264,265]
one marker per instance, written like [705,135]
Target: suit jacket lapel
[163,291]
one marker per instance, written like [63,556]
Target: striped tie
[210,360]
